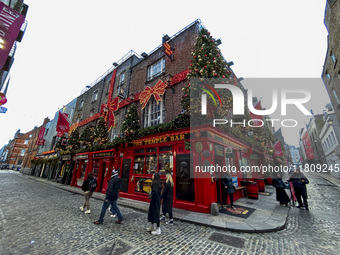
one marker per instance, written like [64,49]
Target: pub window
[165,163]
[95,170]
[153,113]
[151,164]
[139,164]
[156,69]
[154,149]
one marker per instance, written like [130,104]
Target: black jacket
[112,191]
[167,197]
[155,203]
[228,185]
[299,180]
[85,187]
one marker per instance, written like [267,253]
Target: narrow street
[36,218]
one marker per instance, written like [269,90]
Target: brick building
[32,150]
[17,148]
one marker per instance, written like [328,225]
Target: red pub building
[155,83]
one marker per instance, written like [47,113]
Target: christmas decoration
[100,132]
[87,137]
[156,91]
[131,123]
[3,99]
[108,110]
[74,142]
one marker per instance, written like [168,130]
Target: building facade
[331,69]
[17,148]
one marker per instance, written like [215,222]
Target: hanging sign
[167,49]
[10,24]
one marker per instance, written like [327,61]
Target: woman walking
[167,197]
[155,205]
[89,185]
[281,194]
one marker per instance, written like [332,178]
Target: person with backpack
[89,186]
[111,197]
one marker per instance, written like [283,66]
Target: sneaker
[162,218]
[113,215]
[97,222]
[88,211]
[170,222]
[307,208]
[119,221]
[81,208]
[150,229]
[299,206]
[156,232]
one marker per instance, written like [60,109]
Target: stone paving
[36,218]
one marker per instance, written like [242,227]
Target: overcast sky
[69,44]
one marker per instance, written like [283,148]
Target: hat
[114,172]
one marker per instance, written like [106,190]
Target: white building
[330,137]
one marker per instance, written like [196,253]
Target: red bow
[156,91]
[107,112]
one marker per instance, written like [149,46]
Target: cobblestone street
[36,218]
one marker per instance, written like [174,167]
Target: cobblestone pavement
[36,218]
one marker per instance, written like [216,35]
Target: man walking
[111,197]
[299,181]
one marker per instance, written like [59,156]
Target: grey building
[331,69]
[330,139]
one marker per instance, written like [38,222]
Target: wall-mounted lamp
[115,64]
[230,63]
[166,38]
[168,80]
[330,121]
[144,55]
[218,42]
[240,79]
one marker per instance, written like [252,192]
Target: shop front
[101,165]
[81,166]
[186,155]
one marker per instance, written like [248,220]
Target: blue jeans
[114,207]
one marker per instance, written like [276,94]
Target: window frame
[148,121]
[150,73]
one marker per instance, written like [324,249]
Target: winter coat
[278,183]
[85,187]
[228,185]
[299,181]
[167,197]
[112,191]
[281,194]
[155,202]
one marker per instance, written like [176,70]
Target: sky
[69,44]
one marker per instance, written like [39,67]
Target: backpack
[93,185]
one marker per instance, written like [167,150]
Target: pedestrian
[167,197]
[281,194]
[155,205]
[111,197]
[228,189]
[89,186]
[299,181]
